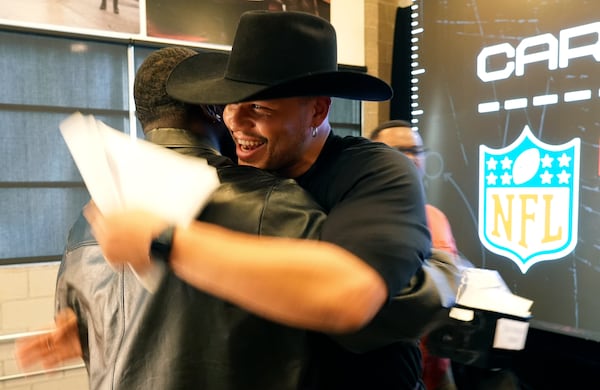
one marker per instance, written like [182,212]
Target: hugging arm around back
[298,283]
[374,239]
[295,282]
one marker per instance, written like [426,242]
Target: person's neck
[311,154]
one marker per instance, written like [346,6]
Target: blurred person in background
[399,134]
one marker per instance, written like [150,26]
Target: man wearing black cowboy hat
[278,84]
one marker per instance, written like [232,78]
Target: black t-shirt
[376,210]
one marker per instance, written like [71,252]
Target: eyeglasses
[414,150]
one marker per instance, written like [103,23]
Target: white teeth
[248,144]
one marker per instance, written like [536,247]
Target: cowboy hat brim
[200,80]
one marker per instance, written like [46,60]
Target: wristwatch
[160,247]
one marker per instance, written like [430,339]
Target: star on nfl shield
[529,199]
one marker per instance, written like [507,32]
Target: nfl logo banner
[529,199]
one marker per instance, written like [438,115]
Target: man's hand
[53,348]
[125,236]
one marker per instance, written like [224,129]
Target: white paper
[461,314]
[124,173]
[87,148]
[510,334]
[485,289]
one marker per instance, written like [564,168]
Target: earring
[314,131]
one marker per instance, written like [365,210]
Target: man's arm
[302,283]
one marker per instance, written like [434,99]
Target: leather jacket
[180,337]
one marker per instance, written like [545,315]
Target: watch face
[160,248]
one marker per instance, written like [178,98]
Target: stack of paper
[121,172]
[485,289]
[125,173]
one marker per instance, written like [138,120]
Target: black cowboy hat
[274,55]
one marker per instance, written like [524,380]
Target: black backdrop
[563,344]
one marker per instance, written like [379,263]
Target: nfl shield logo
[529,199]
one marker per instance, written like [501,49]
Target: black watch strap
[160,248]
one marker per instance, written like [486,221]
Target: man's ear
[322,105]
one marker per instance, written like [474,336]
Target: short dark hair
[386,125]
[152,102]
